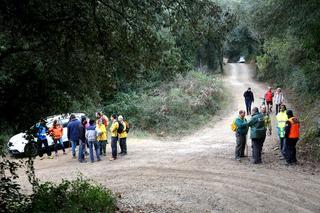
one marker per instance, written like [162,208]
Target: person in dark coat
[249,99]
[73,133]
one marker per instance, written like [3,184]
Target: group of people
[89,134]
[288,127]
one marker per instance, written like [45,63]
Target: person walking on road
[91,136]
[249,99]
[257,134]
[278,99]
[42,130]
[269,99]
[292,133]
[122,136]
[282,118]
[56,132]
[241,135]
[73,133]
[114,136]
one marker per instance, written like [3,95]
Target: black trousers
[257,144]
[290,150]
[241,144]
[45,142]
[123,145]
[114,147]
[277,108]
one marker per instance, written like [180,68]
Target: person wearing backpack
[241,131]
[122,133]
[41,133]
[114,136]
[257,134]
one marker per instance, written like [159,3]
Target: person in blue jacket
[41,134]
[73,133]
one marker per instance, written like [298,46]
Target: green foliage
[60,56]
[80,195]
[175,107]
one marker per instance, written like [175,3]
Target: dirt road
[197,173]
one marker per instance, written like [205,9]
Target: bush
[174,107]
[79,195]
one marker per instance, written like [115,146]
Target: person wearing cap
[42,130]
[114,136]
[278,99]
[249,99]
[73,133]
[122,136]
[292,134]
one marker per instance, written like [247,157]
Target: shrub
[80,195]
[174,107]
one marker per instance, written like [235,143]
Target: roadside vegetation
[283,38]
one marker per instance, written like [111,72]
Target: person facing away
[122,136]
[257,134]
[282,118]
[278,99]
[249,99]
[241,135]
[73,133]
[56,132]
[42,130]
[91,136]
[114,136]
[82,139]
[102,136]
[269,99]
[292,134]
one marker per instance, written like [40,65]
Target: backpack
[120,128]
[127,126]
[234,126]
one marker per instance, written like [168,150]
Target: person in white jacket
[278,99]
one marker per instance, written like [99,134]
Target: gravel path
[197,173]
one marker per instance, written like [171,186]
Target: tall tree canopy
[58,55]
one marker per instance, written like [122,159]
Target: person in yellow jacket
[282,118]
[102,137]
[122,136]
[114,136]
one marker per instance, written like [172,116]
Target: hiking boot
[112,159]
[237,159]
[120,153]
[50,157]
[282,158]
[41,158]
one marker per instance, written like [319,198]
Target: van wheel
[31,150]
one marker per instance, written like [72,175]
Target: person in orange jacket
[292,134]
[56,132]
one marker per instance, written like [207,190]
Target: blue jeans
[74,145]
[82,149]
[96,145]
[248,107]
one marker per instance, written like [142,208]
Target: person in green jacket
[257,134]
[241,135]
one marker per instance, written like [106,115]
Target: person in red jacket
[56,132]
[269,96]
[292,133]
